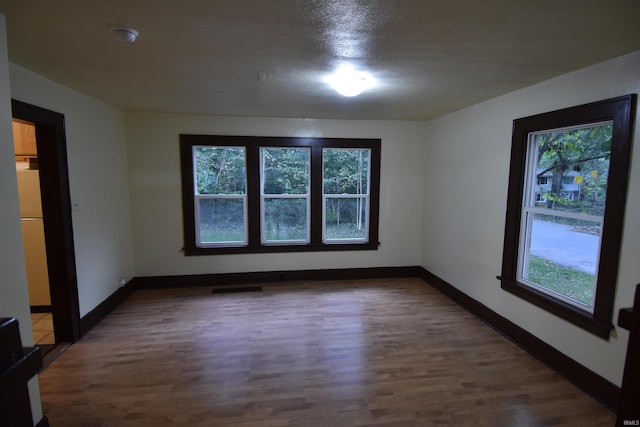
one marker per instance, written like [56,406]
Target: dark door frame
[56,211]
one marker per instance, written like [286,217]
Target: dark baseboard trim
[591,383]
[225,279]
[44,422]
[40,308]
[95,316]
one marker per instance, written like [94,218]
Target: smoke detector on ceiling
[126,35]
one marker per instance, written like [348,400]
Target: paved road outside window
[558,243]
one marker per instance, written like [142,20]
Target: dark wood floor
[357,353]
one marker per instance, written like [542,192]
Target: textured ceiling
[271,57]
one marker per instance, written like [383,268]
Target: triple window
[263,194]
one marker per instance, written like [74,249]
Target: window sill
[272,248]
[571,314]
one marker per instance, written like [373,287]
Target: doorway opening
[32,225]
[41,164]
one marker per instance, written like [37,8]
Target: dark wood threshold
[40,308]
[51,356]
[588,381]
[95,316]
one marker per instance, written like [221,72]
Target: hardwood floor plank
[390,352]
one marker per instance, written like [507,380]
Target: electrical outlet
[122,282]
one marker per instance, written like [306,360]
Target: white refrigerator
[35,252]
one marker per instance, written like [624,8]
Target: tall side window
[271,194]
[567,192]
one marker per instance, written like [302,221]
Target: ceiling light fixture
[126,35]
[348,81]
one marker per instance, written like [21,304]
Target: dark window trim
[621,111]
[253,143]
[58,222]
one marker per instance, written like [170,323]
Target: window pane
[345,171]
[572,169]
[345,218]
[220,170]
[221,220]
[563,257]
[285,219]
[285,170]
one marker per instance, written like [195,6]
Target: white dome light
[348,81]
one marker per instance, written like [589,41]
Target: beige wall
[14,299]
[466,176]
[154,173]
[96,151]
